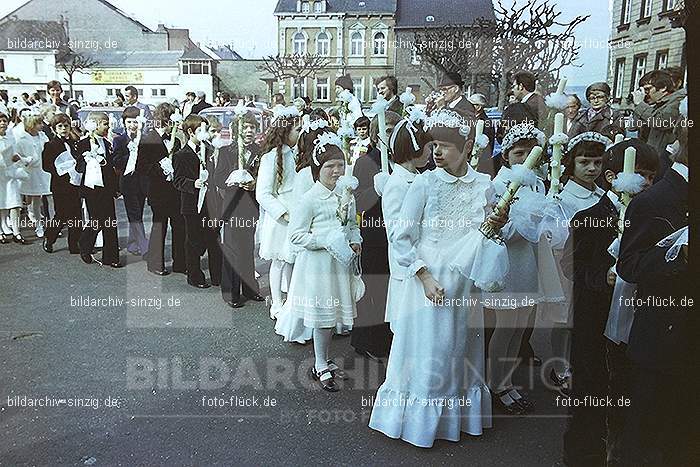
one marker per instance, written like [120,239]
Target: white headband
[323,140]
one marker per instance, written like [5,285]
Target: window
[415,57]
[110,92]
[323,44]
[647,6]
[305,7]
[140,92]
[669,5]
[358,89]
[162,92]
[661,59]
[79,95]
[154,92]
[619,78]
[192,68]
[373,91]
[626,12]
[322,89]
[318,7]
[2,65]
[299,44]
[39,67]
[638,70]
[298,87]
[380,44]
[356,44]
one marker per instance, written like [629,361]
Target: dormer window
[305,7]
[430,19]
[318,7]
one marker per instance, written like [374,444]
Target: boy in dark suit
[661,430]
[239,216]
[162,195]
[99,188]
[66,195]
[190,178]
[588,264]
[133,185]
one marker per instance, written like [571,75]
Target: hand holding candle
[487,228]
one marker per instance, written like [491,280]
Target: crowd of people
[393,230]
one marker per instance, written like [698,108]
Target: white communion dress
[393,195]
[29,149]
[323,289]
[435,381]
[10,172]
[276,201]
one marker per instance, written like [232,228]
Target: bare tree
[527,35]
[295,66]
[73,62]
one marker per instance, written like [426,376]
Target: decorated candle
[477,148]
[381,121]
[562,85]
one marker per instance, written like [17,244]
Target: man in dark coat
[66,196]
[524,84]
[98,198]
[661,430]
[163,198]
[388,87]
[200,103]
[452,96]
[600,115]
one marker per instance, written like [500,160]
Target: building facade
[357,37]
[643,38]
[411,17]
[162,64]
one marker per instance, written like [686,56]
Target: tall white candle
[619,138]
[562,85]
[555,165]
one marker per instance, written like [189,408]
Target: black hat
[344,82]
[451,78]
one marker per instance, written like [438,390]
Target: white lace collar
[445,176]
[581,191]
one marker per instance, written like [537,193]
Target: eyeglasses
[597,97]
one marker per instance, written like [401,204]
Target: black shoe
[159,272]
[535,361]
[508,409]
[562,384]
[116,265]
[48,247]
[180,270]
[199,285]
[256,298]
[216,283]
[235,304]
[4,239]
[21,240]
[87,258]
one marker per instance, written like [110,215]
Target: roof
[413,13]
[344,6]
[104,2]
[225,53]
[144,59]
[194,53]
[31,35]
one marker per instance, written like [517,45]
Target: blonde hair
[32,121]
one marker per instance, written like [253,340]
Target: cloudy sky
[250,26]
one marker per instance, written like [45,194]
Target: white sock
[322,342]
[14,221]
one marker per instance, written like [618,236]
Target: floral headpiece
[281,111]
[323,140]
[314,125]
[448,119]
[591,136]
[520,132]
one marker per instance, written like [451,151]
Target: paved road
[131,382]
